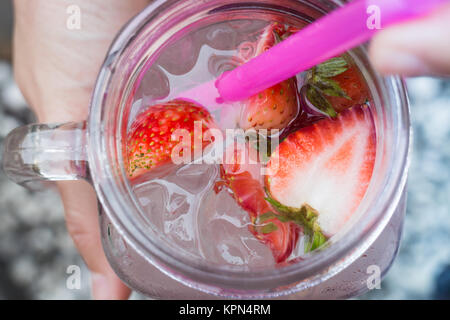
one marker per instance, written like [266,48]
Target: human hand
[56,69]
[420,47]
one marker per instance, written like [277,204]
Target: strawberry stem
[306,216]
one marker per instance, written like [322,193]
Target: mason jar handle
[38,153]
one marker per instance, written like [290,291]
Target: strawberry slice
[326,166]
[274,107]
[150,142]
[241,174]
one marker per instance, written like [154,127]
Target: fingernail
[100,287]
[403,63]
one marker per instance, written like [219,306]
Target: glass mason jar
[91,150]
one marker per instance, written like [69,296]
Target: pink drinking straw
[332,35]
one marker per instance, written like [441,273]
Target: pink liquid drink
[252,193]
[297,190]
[226,204]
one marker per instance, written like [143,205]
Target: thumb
[80,206]
[415,48]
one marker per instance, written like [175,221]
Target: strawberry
[244,180]
[326,166]
[274,107]
[150,142]
[351,81]
[332,87]
[338,82]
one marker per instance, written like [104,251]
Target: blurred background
[35,249]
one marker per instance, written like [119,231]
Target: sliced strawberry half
[241,174]
[274,107]
[327,166]
[150,142]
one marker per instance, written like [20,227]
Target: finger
[415,48]
[80,206]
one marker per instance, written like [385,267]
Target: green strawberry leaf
[281,208]
[266,216]
[319,84]
[329,87]
[306,217]
[331,68]
[315,240]
[268,228]
[318,100]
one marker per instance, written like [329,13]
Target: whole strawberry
[353,84]
[275,107]
[333,86]
[151,139]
